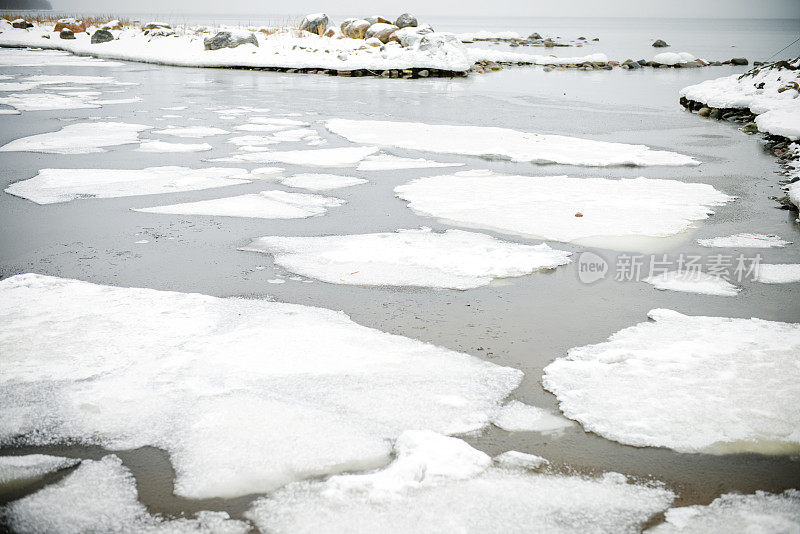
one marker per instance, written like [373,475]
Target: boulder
[156,26]
[315,23]
[406,20]
[102,36]
[66,33]
[382,31]
[375,19]
[410,35]
[535,37]
[21,24]
[374,42]
[750,127]
[76,26]
[704,112]
[658,43]
[229,39]
[112,25]
[355,28]
[738,61]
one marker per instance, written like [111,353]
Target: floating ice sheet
[192,131]
[46,102]
[387,162]
[744,241]
[516,416]
[31,466]
[321,182]
[161,146]
[325,157]
[689,383]
[693,282]
[491,142]
[454,259]
[62,185]
[21,57]
[81,138]
[778,273]
[245,395]
[561,208]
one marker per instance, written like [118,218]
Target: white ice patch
[192,131]
[560,208]
[491,142]
[326,157]
[161,146]
[263,205]
[46,102]
[387,162]
[61,79]
[778,273]
[516,416]
[31,466]
[20,57]
[693,282]
[688,383]
[673,58]
[101,496]
[744,241]
[321,182]
[63,185]
[267,172]
[454,259]
[440,484]
[82,138]
[245,395]
[520,460]
[761,512]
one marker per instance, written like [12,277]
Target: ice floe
[321,182]
[46,102]
[101,496]
[263,205]
[492,142]
[63,185]
[161,146]
[252,140]
[245,395]
[520,460]
[778,273]
[81,138]
[744,241]
[31,466]
[761,512]
[690,383]
[561,208]
[21,57]
[192,131]
[441,484]
[516,416]
[388,162]
[324,157]
[453,259]
[688,281]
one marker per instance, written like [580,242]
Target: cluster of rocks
[533,39]
[411,73]
[376,30]
[739,115]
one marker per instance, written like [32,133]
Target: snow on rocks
[744,240]
[545,206]
[673,58]
[81,138]
[388,162]
[690,383]
[101,496]
[51,186]
[453,259]
[778,273]
[321,182]
[693,282]
[519,417]
[161,146]
[263,205]
[192,131]
[324,157]
[30,467]
[492,142]
[452,487]
[245,395]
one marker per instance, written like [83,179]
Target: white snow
[321,182]
[245,395]
[192,131]
[688,281]
[46,102]
[161,146]
[453,259]
[263,205]
[440,484]
[546,206]
[690,383]
[504,143]
[516,416]
[744,241]
[520,460]
[784,121]
[101,496]
[761,513]
[30,466]
[81,138]
[325,157]
[673,58]
[63,185]
[778,273]
[387,162]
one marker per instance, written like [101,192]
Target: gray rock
[21,24]
[633,65]
[660,43]
[690,64]
[355,28]
[704,112]
[315,23]
[102,36]
[67,34]
[715,113]
[405,20]
[642,62]
[381,31]
[750,127]
[739,61]
[229,40]
[535,37]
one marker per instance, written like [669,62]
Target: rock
[156,26]
[373,42]
[689,64]
[614,63]
[642,62]
[739,61]
[112,25]
[757,63]
[423,73]
[715,114]
[548,43]
[21,24]
[596,39]
[704,112]
[375,19]
[355,28]
[750,127]
[581,38]
[382,31]
[229,40]
[658,43]
[315,23]
[102,36]
[409,36]
[535,37]
[76,26]
[406,20]
[66,33]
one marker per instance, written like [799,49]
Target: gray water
[524,322]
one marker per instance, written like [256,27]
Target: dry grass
[50,18]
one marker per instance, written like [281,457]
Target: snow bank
[546,206]
[689,383]
[778,273]
[693,282]
[518,417]
[81,138]
[101,496]
[245,395]
[325,157]
[161,146]
[321,182]
[263,205]
[744,241]
[454,259]
[440,484]
[387,162]
[491,142]
[63,185]
[31,466]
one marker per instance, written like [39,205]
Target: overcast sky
[524,8]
